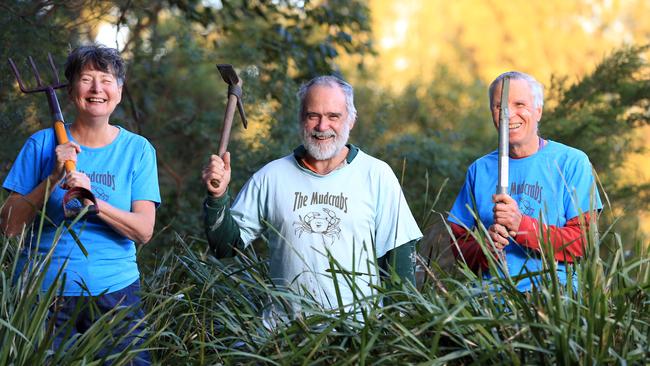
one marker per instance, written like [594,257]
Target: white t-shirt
[356,213]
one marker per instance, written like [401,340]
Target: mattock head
[229,75]
[40,86]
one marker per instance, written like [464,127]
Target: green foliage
[205,311]
[28,29]
[432,132]
[599,114]
[27,328]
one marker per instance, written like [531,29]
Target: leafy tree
[174,95]
[30,28]
[601,114]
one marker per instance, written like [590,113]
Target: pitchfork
[72,200]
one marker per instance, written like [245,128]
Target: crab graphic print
[320,229]
[324,224]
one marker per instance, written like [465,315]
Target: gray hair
[100,57]
[535,86]
[332,81]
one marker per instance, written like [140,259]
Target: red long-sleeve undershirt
[568,240]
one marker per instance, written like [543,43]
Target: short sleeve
[460,213]
[26,171]
[145,177]
[248,211]
[581,186]
[394,222]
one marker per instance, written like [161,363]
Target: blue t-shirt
[555,184]
[120,173]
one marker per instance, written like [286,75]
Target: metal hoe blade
[229,75]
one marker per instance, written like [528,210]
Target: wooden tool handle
[227,124]
[62,138]
[225,132]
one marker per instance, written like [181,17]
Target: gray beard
[322,150]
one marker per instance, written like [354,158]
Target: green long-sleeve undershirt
[225,239]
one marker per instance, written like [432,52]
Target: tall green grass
[205,311]
[27,327]
[457,320]
[27,330]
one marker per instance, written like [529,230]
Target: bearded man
[332,216]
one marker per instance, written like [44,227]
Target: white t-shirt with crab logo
[316,225]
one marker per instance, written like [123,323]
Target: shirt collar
[300,152]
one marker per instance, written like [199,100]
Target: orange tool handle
[62,138]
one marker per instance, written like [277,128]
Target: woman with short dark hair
[118,167]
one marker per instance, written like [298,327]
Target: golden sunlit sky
[539,37]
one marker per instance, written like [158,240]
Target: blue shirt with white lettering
[121,172]
[555,185]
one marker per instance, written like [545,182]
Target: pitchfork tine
[36,74]
[54,70]
[17,75]
[40,87]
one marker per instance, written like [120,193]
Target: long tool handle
[59,128]
[227,124]
[504,147]
[504,131]
[225,132]
[62,138]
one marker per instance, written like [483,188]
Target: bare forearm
[136,225]
[19,211]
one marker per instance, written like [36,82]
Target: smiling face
[524,117]
[95,93]
[326,126]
